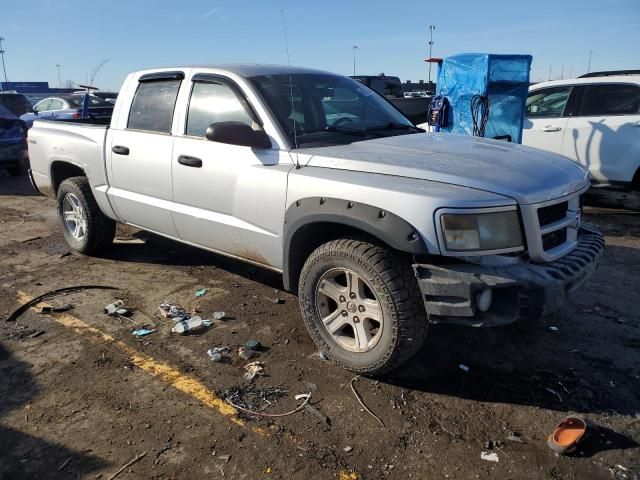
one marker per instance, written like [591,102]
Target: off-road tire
[100,229]
[393,282]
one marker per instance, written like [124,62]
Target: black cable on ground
[52,294]
[479,114]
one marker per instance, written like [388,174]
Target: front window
[324,109]
[549,102]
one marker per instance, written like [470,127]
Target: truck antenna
[293,112]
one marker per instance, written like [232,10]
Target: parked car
[379,227]
[12,142]
[15,102]
[594,120]
[110,97]
[68,107]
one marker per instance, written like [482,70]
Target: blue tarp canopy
[504,79]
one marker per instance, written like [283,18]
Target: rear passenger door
[140,151]
[545,123]
[604,132]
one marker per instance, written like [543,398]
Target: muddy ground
[81,403]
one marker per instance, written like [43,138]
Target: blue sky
[391,36]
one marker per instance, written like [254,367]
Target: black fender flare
[378,222]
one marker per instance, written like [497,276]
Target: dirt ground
[80,396]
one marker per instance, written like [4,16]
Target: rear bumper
[520,291]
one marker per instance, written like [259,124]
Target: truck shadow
[23,455]
[16,186]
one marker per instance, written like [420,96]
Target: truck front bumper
[490,296]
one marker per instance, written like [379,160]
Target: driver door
[545,124]
[228,198]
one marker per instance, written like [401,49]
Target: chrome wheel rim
[74,216]
[348,309]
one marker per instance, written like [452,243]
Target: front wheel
[86,229]
[362,305]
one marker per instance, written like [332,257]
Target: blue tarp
[504,79]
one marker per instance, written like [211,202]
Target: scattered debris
[621,320]
[64,464]
[130,241]
[53,294]
[27,239]
[553,329]
[201,292]
[253,369]
[254,345]
[245,353]
[66,254]
[127,465]
[216,354]
[462,366]
[224,458]
[268,470]
[171,310]
[514,437]
[311,386]
[490,457]
[305,396]
[37,333]
[310,408]
[277,299]
[190,325]
[347,448]
[218,315]
[113,308]
[353,389]
[143,332]
[62,308]
[554,392]
[250,397]
[323,356]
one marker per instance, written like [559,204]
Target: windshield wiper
[396,126]
[361,132]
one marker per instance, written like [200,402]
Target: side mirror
[237,133]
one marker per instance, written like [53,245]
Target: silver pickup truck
[379,227]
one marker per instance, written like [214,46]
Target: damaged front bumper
[482,296]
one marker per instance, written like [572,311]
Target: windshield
[329,109]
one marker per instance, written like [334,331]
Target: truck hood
[525,174]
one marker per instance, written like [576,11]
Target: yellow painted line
[161,371]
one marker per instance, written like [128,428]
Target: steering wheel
[342,120]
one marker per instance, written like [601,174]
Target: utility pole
[549,72]
[4,68]
[59,77]
[589,65]
[431,29]
[571,71]
[562,74]
[355,47]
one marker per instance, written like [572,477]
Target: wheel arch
[312,221]
[61,170]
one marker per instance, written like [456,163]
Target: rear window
[610,99]
[76,101]
[15,103]
[152,106]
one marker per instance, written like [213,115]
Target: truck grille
[553,239]
[552,227]
[552,213]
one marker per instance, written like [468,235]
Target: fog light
[483,299]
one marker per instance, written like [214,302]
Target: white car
[593,119]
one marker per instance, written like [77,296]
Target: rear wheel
[86,229]
[361,304]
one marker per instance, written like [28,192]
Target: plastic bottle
[193,323]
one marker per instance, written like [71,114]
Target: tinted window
[212,103]
[16,104]
[549,102]
[152,106]
[77,100]
[610,100]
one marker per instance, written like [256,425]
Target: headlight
[467,232]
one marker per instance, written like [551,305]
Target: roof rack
[610,73]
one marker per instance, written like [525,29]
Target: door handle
[549,128]
[188,161]
[120,150]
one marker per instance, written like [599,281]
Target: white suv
[594,119]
